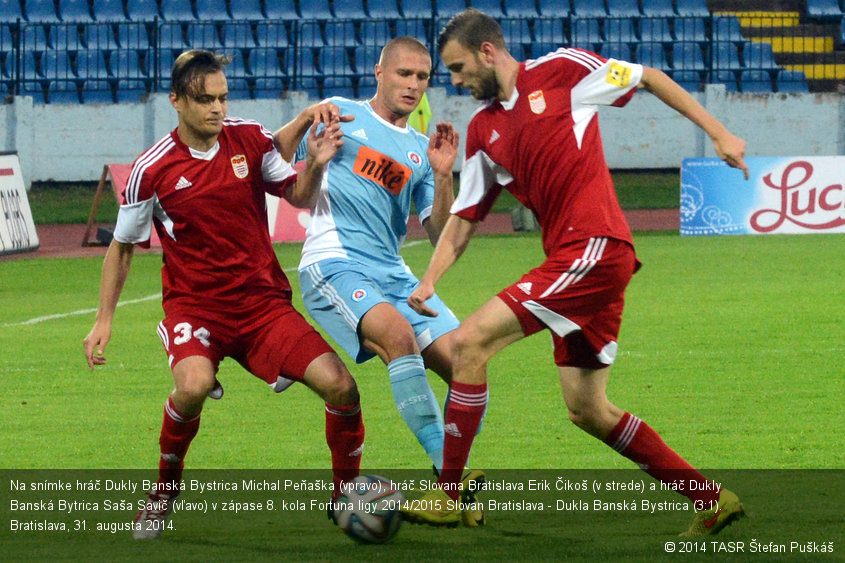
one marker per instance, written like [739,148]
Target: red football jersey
[210,213]
[543,145]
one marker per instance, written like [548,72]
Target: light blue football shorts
[337,293]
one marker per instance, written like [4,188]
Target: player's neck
[199,143]
[395,119]
[506,75]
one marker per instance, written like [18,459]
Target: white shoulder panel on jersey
[134,222]
[274,168]
[478,174]
[147,159]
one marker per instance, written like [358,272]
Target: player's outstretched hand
[97,340]
[443,148]
[731,149]
[324,145]
[327,112]
[419,296]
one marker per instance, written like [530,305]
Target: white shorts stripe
[330,293]
[580,267]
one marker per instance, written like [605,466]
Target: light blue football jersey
[365,199]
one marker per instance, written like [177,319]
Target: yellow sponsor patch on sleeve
[618,75]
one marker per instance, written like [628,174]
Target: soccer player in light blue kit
[354,282]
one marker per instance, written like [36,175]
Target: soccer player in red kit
[223,292]
[537,136]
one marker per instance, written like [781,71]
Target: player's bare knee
[468,349]
[330,379]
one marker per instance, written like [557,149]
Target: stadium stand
[658,8]
[75,11]
[792,81]
[142,10]
[555,8]
[41,11]
[388,9]
[417,8]
[824,9]
[177,10]
[448,8]
[246,10]
[758,81]
[315,10]
[281,10]
[212,10]
[349,9]
[521,9]
[656,30]
[492,7]
[239,35]
[589,9]
[623,8]
[651,54]
[693,8]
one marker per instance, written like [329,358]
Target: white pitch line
[37,320]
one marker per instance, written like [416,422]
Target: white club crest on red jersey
[537,102]
[240,166]
[183,183]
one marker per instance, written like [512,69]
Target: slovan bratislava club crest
[240,166]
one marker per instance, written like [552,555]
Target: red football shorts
[268,337]
[578,294]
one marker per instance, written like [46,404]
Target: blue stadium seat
[492,8]
[171,35]
[418,28]
[212,10]
[334,61]
[589,8]
[365,58]
[694,8]
[10,10]
[341,33]
[62,92]
[655,30]
[129,90]
[64,37]
[726,56]
[238,34]
[690,29]
[315,10]
[269,88]
[417,8]
[539,49]
[689,80]
[521,9]
[349,9]
[75,11]
[91,65]
[549,31]
[686,55]
[57,65]
[758,81]
[133,36]
[41,11]
[127,64]
[239,89]
[375,32]
[142,10]
[448,8]
[619,30]
[339,86]
[658,8]
[99,36]
[165,66]
[618,51]
[793,81]
[177,10]
[824,9]
[281,10]
[516,32]
[237,67]
[34,38]
[310,34]
[271,34]
[554,8]
[203,36]
[727,28]
[652,54]
[726,77]
[266,62]
[623,8]
[97,92]
[383,9]
[585,34]
[759,56]
[108,11]
[246,10]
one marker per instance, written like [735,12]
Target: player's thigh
[491,328]
[427,330]
[337,298]
[278,345]
[187,332]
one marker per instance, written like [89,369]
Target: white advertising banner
[17,230]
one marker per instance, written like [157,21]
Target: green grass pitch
[731,348]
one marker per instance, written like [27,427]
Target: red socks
[636,440]
[345,437]
[463,415]
[176,435]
